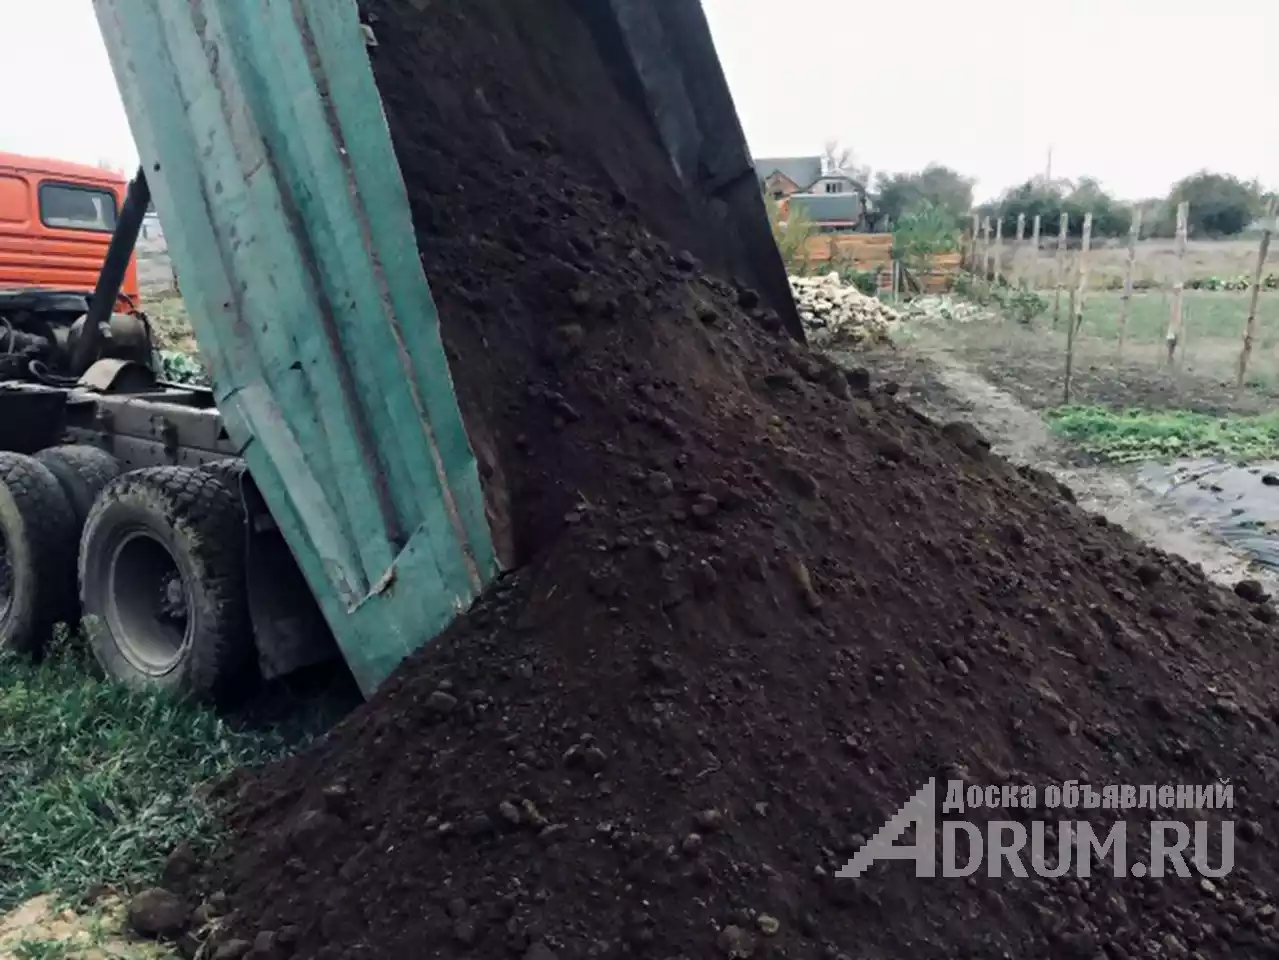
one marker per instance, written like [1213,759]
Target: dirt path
[947,389]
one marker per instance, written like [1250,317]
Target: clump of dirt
[760,604]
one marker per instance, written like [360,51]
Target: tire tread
[90,469]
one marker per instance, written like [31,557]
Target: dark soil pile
[760,604]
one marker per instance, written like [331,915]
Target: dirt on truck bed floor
[760,605]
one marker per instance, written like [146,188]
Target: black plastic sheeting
[1238,504]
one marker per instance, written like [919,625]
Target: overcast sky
[1135,92]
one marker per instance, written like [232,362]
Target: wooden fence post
[1077,303]
[972,253]
[1250,328]
[999,246]
[1134,235]
[985,248]
[1018,252]
[1063,228]
[1175,320]
[1034,254]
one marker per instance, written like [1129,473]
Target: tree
[837,158]
[791,233]
[1220,205]
[923,232]
[901,194]
[1048,201]
[1110,217]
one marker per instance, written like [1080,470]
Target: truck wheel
[37,531]
[162,585]
[83,471]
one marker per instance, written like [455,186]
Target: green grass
[98,782]
[1129,436]
[1213,316]
[1206,316]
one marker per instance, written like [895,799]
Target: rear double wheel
[37,554]
[82,471]
[162,588]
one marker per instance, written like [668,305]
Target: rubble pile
[943,308]
[838,315]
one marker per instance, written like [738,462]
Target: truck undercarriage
[85,423]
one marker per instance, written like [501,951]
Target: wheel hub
[173,601]
[148,608]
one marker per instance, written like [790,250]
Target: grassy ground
[169,322]
[99,783]
[1156,260]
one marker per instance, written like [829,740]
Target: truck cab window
[77,208]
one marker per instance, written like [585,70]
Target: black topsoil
[759,603]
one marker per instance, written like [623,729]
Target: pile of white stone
[838,315]
[944,308]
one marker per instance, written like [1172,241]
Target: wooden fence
[873,253]
[986,262]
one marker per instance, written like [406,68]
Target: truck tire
[37,534]
[83,471]
[162,583]
[230,471]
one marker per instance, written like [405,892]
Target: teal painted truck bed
[287,220]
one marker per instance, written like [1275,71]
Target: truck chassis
[121,435]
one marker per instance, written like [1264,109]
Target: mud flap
[288,626]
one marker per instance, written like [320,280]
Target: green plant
[99,781]
[791,234]
[920,235]
[1128,436]
[1022,305]
[181,368]
[867,281]
[1242,282]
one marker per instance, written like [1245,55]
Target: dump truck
[321,498]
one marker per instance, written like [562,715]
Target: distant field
[1156,261]
[1216,317]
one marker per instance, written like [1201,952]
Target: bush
[1242,282]
[1022,305]
[867,281]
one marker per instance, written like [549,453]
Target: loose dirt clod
[860,634]
[158,913]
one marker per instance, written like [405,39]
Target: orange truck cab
[56,220]
[56,225]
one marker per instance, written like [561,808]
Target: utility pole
[1048,171]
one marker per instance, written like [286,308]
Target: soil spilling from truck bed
[761,604]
